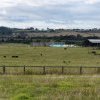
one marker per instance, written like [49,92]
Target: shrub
[64,61]
[94,52]
[65,48]
[41,54]
[21,96]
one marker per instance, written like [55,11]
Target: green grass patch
[31,56]
[49,87]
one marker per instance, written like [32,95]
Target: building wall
[87,43]
[40,44]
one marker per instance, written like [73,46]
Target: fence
[48,70]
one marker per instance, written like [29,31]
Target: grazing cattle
[4,56]
[14,56]
[41,54]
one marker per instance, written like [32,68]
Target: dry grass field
[47,56]
[49,87]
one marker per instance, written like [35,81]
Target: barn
[40,44]
[47,44]
[92,42]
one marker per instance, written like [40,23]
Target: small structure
[57,44]
[92,42]
[40,44]
[48,44]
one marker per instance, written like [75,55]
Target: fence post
[80,70]
[98,70]
[44,71]
[24,69]
[62,70]
[4,69]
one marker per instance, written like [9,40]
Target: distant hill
[29,35]
[34,32]
[5,31]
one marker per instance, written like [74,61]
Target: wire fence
[29,70]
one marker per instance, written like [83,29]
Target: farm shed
[92,42]
[48,44]
[40,44]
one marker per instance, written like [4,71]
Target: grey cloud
[66,14]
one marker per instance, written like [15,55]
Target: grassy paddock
[47,56]
[50,87]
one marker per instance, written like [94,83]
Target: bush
[94,52]
[65,48]
[64,61]
[21,96]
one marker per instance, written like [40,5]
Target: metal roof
[94,40]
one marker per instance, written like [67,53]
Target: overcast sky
[50,13]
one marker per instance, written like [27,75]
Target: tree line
[7,35]
[10,31]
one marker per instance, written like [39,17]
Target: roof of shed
[94,40]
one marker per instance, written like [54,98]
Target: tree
[5,31]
